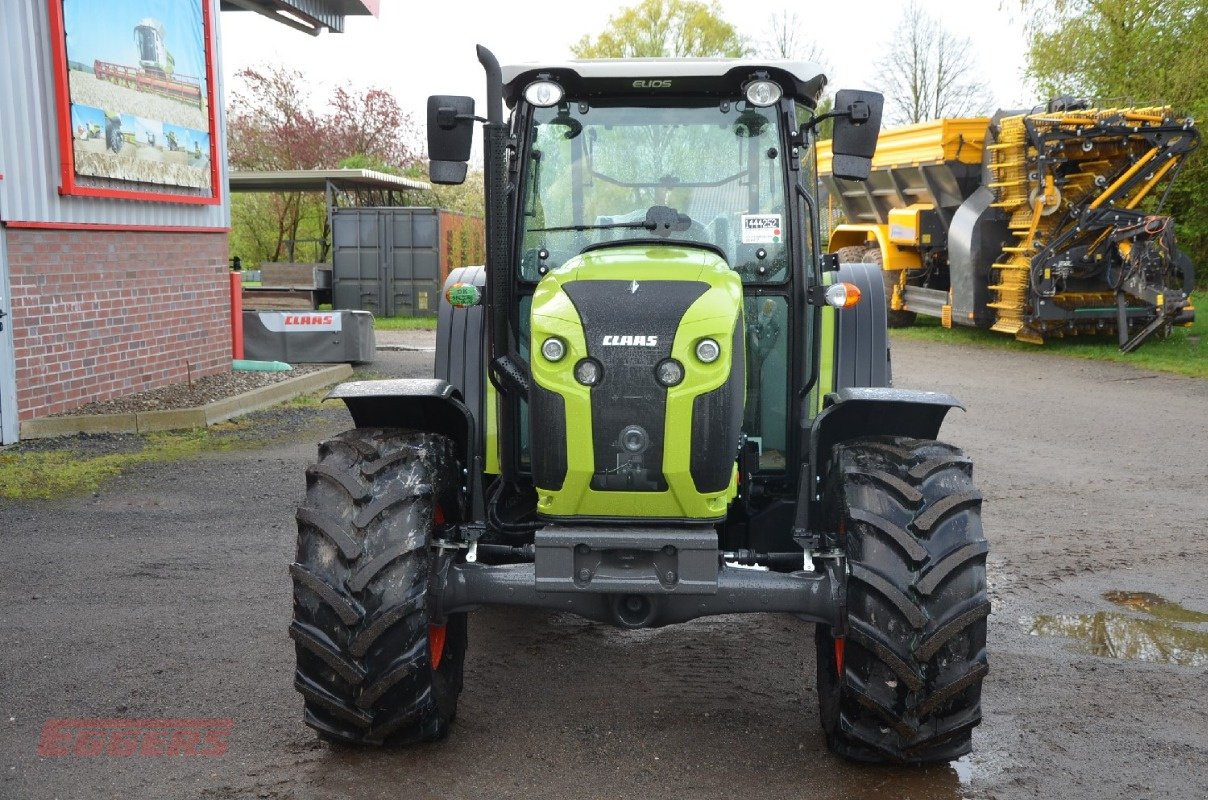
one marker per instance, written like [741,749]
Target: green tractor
[658,400]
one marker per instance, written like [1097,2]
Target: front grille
[717,425]
[548,437]
[629,394]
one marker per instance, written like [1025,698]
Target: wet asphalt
[165,595]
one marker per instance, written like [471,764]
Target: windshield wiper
[599,227]
[658,218]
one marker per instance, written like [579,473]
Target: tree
[665,28]
[273,124]
[783,37]
[928,72]
[1140,52]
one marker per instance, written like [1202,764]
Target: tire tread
[914,657]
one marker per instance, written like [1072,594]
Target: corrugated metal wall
[29,144]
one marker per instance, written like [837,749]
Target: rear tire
[904,684]
[894,319]
[852,254]
[372,663]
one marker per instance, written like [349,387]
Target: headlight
[543,93]
[707,350]
[553,349]
[588,372]
[762,93]
[669,372]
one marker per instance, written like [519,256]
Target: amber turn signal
[842,295]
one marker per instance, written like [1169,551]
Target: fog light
[588,372]
[762,93]
[543,93]
[669,372]
[553,349]
[707,350]
[634,439]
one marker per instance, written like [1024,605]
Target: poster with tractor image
[138,94]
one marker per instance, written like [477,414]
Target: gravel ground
[166,595]
[202,391]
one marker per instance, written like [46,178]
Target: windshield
[710,174]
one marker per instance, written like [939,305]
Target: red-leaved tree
[274,123]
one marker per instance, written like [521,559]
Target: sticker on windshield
[761,229]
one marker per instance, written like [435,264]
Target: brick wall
[101,314]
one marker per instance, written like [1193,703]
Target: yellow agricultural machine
[1038,224]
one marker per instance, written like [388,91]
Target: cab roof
[606,77]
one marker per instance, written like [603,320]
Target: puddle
[951,781]
[1116,635]
[1155,606]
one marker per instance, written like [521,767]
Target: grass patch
[1184,353]
[404,323]
[396,323]
[42,474]
[314,400]
[29,476]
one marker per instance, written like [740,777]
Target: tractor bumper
[634,579]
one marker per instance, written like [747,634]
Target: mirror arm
[813,124]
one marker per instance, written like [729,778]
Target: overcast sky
[415,49]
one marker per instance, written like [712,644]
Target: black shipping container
[393,261]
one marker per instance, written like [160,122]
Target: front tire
[904,684]
[372,662]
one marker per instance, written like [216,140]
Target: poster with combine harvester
[135,90]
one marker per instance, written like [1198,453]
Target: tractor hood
[631,309]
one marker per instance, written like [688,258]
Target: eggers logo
[631,341]
[135,737]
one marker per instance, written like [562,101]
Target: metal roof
[615,76]
[317,180]
[308,16]
[589,69]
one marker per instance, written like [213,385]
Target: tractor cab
[703,169]
[661,238]
[652,221]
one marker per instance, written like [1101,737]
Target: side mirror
[450,135]
[857,125]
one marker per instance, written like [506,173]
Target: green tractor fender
[430,405]
[856,412]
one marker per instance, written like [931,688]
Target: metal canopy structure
[366,186]
[308,16]
[318,180]
[355,187]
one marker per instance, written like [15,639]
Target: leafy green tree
[665,28]
[1136,52]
